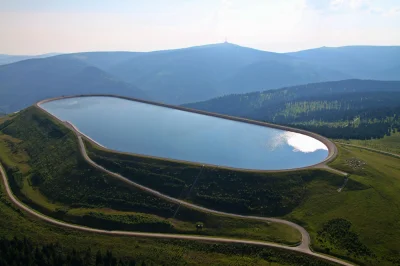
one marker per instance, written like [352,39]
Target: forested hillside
[187,75]
[26,82]
[200,73]
[367,62]
[358,109]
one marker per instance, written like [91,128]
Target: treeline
[24,252]
[273,255]
[345,109]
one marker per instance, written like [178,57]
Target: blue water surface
[140,128]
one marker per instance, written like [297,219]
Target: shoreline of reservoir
[332,150]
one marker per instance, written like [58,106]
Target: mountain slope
[9,59]
[391,74]
[369,62]
[196,73]
[274,74]
[102,60]
[23,83]
[200,73]
[350,108]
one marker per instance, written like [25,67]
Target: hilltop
[188,75]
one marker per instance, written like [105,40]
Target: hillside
[199,73]
[264,75]
[46,178]
[344,109]
[189,75]
[366,62]
[26,82]
[53,178]
[9,59]
[102,60]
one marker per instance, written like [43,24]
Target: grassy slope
[52,177]
[269,194]
[369,203]
[388,143]
[372,208]
[16,224]
[321,205]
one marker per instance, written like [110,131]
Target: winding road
[304,246]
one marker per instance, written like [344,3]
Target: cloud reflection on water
[299,142]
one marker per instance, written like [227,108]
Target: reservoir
[147,129]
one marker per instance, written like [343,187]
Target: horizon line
[193,46]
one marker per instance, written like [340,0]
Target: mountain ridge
[191,74]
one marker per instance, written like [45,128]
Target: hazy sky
[44,26]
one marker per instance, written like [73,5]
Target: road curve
[302,248]
[154,235]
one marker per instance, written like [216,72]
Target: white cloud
[336,4]
[392,12]
[299,142]
[376,10]
[358,4]
[352,4]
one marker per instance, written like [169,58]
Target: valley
[187,75]
[63,203]
[64,186]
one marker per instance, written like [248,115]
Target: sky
[45,26]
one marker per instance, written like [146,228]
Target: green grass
[4,118]
[47,172]
[370,203]
[388,143]
[15,223]
[244,192]
[361,223]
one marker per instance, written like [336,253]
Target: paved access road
[302,248]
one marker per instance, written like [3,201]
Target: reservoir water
[147,129]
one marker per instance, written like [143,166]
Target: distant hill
[391,73]
[102,60]
[368,62]
[25,82]
[264,75]
[8,59]
[199,73]
[350,108]
[196,73]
